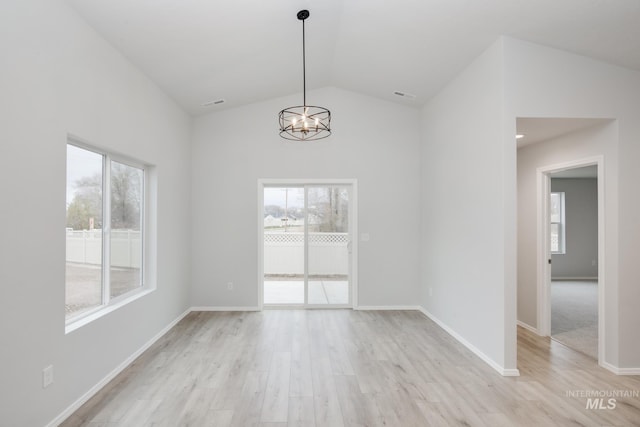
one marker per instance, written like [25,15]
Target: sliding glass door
[284,245]
[328,245]
[307,250]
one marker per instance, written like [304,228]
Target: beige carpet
[574,315]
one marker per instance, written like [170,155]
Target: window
[104,230]
[557,218]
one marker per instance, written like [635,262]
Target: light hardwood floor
[342,368]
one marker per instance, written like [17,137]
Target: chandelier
[304,122]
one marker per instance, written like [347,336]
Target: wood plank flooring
[348,368]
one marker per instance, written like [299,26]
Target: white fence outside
[85,247]
[284,253]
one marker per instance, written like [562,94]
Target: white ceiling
[539,129]
[250,50]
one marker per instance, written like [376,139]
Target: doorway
[306,228]
[574,253]
[571,283]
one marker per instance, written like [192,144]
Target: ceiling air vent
[404,94]
[214,102]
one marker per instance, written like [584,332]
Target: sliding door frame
[353,233]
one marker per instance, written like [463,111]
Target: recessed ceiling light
[519,136]
[404,94]
[214,102]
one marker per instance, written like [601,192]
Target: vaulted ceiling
[245,51]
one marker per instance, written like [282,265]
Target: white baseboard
[387,307]
[111,375]
[216,308]
[361,307]
[489,361]
[620,371]
[628,371]
[528,327]
[574,278]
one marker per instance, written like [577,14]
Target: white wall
[373,141]
[580,259]
[468,269]
[544,82]
[59,77]
[467,219]
[599,140]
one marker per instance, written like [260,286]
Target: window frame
[109,303]
[562,241]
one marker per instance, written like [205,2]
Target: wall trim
[489,361]
[574,278]
[387,307]
[620,371]
[224,308]
[528,327]
[111,375]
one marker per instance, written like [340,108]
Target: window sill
[103,311]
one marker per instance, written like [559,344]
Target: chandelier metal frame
[304,122]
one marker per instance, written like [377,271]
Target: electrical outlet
[365,237]
[430,291]
[47,376]
[229,286]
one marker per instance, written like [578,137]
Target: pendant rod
[304,69]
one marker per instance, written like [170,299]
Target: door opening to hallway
[563,243]
[574,254]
